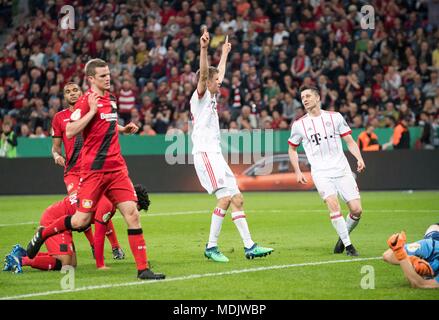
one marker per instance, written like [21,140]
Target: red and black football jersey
[101,149]
[72,147]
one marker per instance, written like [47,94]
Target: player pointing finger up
[205,38]
[227,46]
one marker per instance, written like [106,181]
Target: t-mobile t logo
[315,138]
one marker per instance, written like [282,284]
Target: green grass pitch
[176,229]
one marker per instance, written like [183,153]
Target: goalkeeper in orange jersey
[418,260]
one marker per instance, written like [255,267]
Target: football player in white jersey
[212,170]
[320,132]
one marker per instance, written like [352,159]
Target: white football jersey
[321,138]
[205,123]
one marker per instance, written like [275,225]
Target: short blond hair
[212,71]
[90,67]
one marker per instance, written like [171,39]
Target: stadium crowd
[374,76]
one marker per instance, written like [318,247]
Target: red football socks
[89,235]
[111,235]
[56,227]
[138,248]
[42,262]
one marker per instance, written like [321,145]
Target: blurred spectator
[290,106]
[426,139]
[246,120]
[24,131]
[368,140]
[430,87]
[301,64]
[401,134]
[160,123]
[147,130]
[39,133]
[237,96]
[8,141]
[126,101]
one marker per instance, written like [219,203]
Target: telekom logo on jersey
[109,116]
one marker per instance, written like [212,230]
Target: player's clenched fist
[131,128]
[396,242]
[204,40]
[59,160]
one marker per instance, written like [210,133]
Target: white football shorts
[215,174]
[345,186]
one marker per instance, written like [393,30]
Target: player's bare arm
[416,281]
[355,151]
[204,67]
[73,128]
[294,159]
[57,153]
[227,47]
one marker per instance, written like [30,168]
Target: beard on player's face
[71,99]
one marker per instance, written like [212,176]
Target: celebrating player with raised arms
[213,171]
[320,132]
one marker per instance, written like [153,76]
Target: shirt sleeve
[418,248]
[295,137]
[343,127]
[56,128]
[81,108]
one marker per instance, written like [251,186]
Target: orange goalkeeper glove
[396,242]
[421,266]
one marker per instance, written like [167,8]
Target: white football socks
[351,222]
[339,224]
[215,226]
[240,221]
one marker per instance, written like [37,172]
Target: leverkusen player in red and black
[71,163]
[103,169]
[60,247]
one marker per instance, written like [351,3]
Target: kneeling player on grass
[419,260]
[61,249]
[103,169]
